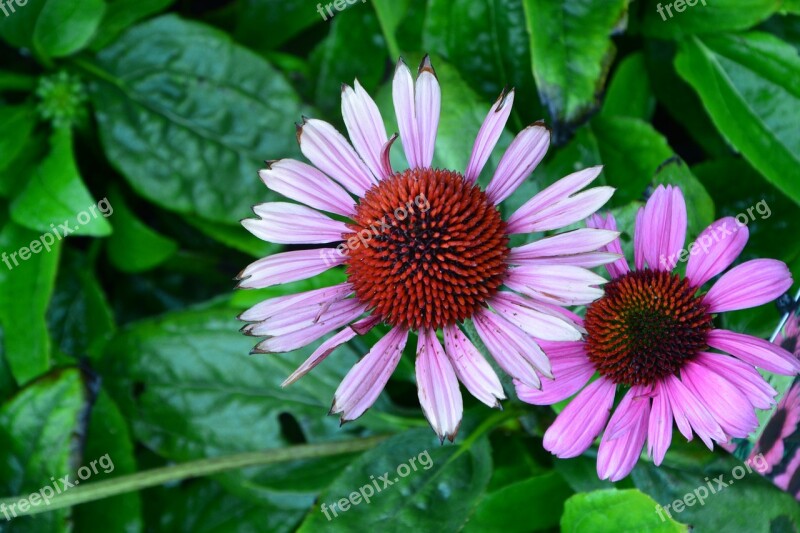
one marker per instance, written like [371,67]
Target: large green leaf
[39,429]
[52,28]
[20,120]
[120,14]
[609,511]
[284,19]
[438,491]
[571,52]
[187,116]
[673,20]
[750,85]
[629,91]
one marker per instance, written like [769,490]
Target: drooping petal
[749,285]
[690,414]
[535,320]
[285,223]
[320,354]
[488,135]
[561,284]
[330,152]
[307,185]
[581,421]
[299,319]
[288,266]
[471,368]
[754,351]
[428,105]
[659,431]
[365,126]
[624,437]
[715,249]
[572,369]
[404,108]
[663,226]
[620,266]
[320,298]
[522,156]
[361,386]
[437,386]
[744,377]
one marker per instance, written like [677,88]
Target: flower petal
[659,430]
[744,377]
[307,185]
[754,351]
[522,156]
[428,105]
[471,368]
[488,135]
[561,284]
[748,285]
[581,421]
[321,298]
[639,241]
[619,267]
[287,267]
[365,126]
[404,108]
[564,244]
[363,384]
[624,437]
[716,248]
[535,320]
[319,355]
[437,386]
[285,223]
[663,226]
[572,369]
[690,413]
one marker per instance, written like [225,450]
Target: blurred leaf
[614,510]
[391,14]
[438,495]
[571,51]
[56,196]
[750,85]
[508,510]
[186,115]
[699,205]
[108,435]
[725,509]
[664,21]
[236,237]
[20,120]
[580,473]
[134,247]
[284,19]
[52,28]
[24,296]
[78,315]
[21,169]
[39,429]
[629,93]
[120,14]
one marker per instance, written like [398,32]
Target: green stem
[203,467]
[13,81]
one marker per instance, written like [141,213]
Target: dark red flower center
[427,249]
[647,326]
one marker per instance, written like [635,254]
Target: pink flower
[424,250]
[649,337]
[783,423]
[788,337]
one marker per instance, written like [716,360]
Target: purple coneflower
[649,338]
[782,425]
[424,250]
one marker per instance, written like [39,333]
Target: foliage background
[122,340]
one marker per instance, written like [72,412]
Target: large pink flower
[424,249]
[649,337]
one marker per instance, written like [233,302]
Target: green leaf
[681,18]
[236,237]
[614,510]
[699,205]
[52,28]
[508,509]
[20,120]
[120,14]
[187,116]
[439,494]
[26,284]
[134,247]
[39,428]
[286,19]
[750,85]
[56,200]
[629,93]
[571,52]
[391,14]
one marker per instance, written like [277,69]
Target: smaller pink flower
[787,338]
[649,338]
[789,480]
[784,422]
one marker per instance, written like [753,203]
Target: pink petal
[659,431]
[561,285]
[285,223]
[428,100]
[488,135]
[404,108]
[437,386]
[619,267]
[564,244]
[386,163]
[581,421]
[330,152]
[663,226]
[471,368]
[715,249]
[365,381]
[522,156]
[755,352]
[287,267]
[748,285]
[561,214]
[639,240]
[300,318]
[307,185]
[535,320]
[571,367]
[624,437]
[690,414]
[365,126]
[743,376]
[319,355]
[588,260]
[321,298]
